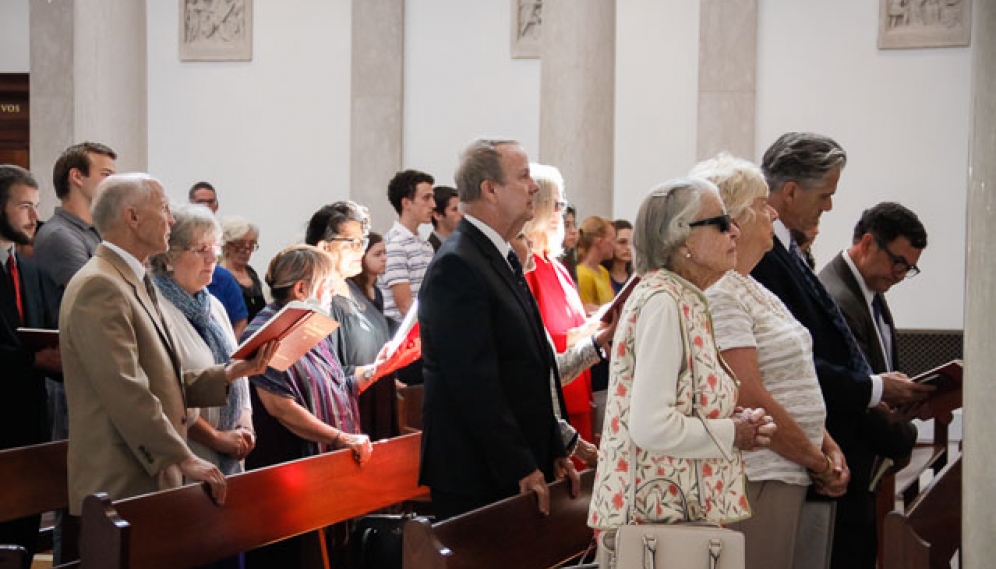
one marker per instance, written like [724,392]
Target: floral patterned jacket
[668,489]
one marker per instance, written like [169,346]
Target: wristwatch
[369,372]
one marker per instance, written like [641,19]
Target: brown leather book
[37,339]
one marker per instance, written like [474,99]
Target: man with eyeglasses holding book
[802,171]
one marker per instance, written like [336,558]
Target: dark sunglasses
[722,222]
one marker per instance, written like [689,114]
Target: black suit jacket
[846,392]
[23,415]
[488,413]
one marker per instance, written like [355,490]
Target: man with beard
[27,299]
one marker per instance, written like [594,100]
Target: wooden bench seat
[32,482]
[509,533]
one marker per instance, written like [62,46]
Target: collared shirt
[408,256]
[64,244]
[500,244]
[133,263]
[869,296]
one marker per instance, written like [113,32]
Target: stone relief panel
[924,23]
[527,20]
[215,30]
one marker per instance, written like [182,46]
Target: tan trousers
[770,533]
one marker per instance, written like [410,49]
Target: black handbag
[377,541]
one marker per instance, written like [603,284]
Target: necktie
[15,277]
[856,360]
[878,313]
[520,276]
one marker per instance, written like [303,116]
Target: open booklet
[406,345]
[38,339]
[298,325]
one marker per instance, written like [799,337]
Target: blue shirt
[225,288]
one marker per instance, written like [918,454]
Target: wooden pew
[510,533]
[32,481]
[929,533]
[182,528]
[410,408]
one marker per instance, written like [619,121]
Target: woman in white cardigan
[202,334]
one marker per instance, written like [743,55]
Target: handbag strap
[696,412]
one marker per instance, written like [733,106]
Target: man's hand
[563,467]
[49,360]
[255,366]
[897,389]
[194,468]
[534,482]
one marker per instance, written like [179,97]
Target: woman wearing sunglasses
[670,421]
[771,354]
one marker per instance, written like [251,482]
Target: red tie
[15,276]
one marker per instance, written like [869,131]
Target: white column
[577,99]
[979,469]
[88,82]
[376,115]
[727,77]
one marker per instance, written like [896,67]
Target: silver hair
[801,157]
[740,182]
[235,228]
[479,162]
[191,222]
[116,193]
[661,224]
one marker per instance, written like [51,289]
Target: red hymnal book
[406,345]
[947,380]
[605,312]
[299,326]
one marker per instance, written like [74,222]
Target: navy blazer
[488,413]
[23,415]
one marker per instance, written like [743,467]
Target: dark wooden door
[14,113]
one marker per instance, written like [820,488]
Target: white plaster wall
[902,116]
[460,82]
[657,50]
[271,134]
[14,44]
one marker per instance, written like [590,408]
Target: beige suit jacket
[127,401]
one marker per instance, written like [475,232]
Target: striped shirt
[747,315]
[407,258]
[316,382]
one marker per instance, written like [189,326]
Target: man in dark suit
[28,298]
[802,171]
[888,241]
[490,376]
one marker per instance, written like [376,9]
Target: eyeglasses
[722,222]
[205,250]
[899,263]
[560,205]
[247,246]
[357,243]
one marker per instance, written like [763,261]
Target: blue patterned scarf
[197,310]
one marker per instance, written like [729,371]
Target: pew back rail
[184,528]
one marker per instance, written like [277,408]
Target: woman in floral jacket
[670,423]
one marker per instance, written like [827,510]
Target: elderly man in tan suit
[126,388]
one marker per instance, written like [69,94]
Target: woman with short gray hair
[203,335]
[241,238]
[670,420]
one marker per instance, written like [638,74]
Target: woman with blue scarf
[203,335]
